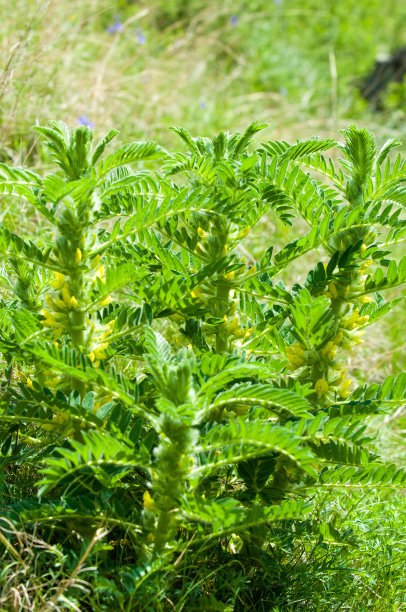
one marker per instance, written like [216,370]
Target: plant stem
[222,296]
[78,319]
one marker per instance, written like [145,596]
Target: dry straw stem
[72,580]
[20,586]
[8,544]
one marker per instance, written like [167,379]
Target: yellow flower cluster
[296,355]
[354,320]
[232,326]
[321,386]
[58,420]
[198,294]
[210,248]
[323,360]
[57,316]
[333,385]
[345,289]
[98,341]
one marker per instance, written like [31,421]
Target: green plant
[168,391]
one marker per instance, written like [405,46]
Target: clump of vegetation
[173,413]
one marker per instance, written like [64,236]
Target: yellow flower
[296,355]
[108,329]
[95,262]
[50,301]
[59,280]
[50,319]
[351,321]
[244,232]
[321,386]
[224,251]
[239,333]
[233,325]
[100,272]
[363,320]
[78,256]
[233,308]
[98,350]
[148,501]
[229,275]
[344,392]
[249,331]
[201,232]
[74,302]
[341,378]
[329,351]
[296,349]
[29,383]
[106,300]
[338,337]
[61,418]
[200,247]
[333,290]
[66,296]
[197,293]
[365,265]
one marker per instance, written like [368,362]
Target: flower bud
[66,296]
[59,280]
[201,232]
[244,232]
[95,262]
[106,300]
[148,501]
[78,256]
[333,290]
[321,386]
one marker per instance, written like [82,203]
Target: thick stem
[173,467]
[78,321]
[221,305]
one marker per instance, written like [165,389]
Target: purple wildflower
[140,37]
[278,1]
[83,120]
[203,105]
[233,20]
[116,27]
[283,91]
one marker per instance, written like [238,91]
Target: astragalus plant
[158,385]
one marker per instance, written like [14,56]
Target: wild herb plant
[159,386]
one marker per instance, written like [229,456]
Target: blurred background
[143,65]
